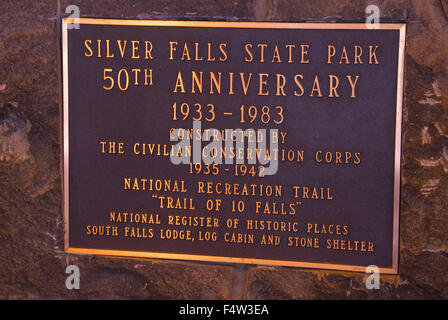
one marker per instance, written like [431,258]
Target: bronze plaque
[240,142]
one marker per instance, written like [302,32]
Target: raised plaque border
[218,24]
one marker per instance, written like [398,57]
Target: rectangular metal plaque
[240,142]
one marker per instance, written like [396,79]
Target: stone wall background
[32,261]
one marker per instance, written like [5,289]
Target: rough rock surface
[32,261]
